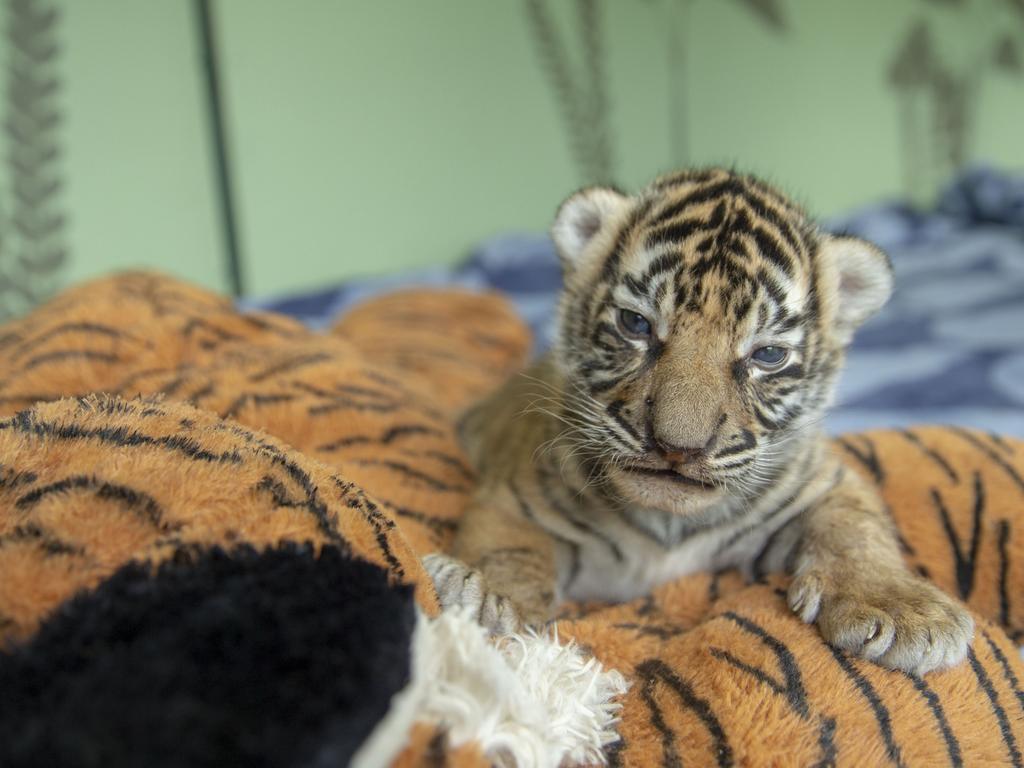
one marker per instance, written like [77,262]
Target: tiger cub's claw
[459,586]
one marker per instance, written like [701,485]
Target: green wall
[372,135]
[137,165]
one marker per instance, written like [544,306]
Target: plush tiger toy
[675,427]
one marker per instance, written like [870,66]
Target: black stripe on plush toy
[271,658]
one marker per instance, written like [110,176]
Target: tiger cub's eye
[770,358]
[634,324]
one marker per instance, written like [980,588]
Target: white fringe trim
[525,699]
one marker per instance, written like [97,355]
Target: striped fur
[674,427]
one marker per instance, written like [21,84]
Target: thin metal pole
[215,111]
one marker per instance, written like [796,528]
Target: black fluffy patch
[274,658]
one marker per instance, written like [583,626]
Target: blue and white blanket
[948,348]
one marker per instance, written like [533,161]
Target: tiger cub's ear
[862,281]
[581,218]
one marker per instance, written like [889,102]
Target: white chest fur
[608,553]
[592,570]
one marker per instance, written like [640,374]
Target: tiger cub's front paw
[459,586]
[898,621]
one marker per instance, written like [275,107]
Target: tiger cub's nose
[679,454]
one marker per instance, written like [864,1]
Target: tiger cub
[675,426]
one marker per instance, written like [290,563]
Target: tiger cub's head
[703,324]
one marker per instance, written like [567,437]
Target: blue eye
[634,324]
[770,357]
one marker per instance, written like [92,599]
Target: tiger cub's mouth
[672,475]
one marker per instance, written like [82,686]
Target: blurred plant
[939,93]
[769,13]
[32,250]
[582,95]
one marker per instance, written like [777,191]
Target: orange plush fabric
[222,427]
